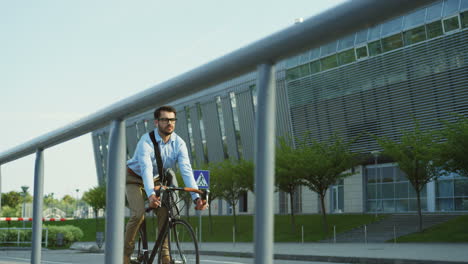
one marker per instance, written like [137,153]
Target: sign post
[202,178]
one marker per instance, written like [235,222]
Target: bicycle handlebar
[161,188]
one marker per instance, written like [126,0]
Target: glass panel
[464,4]
[346,42]
[388,206]
[415,18]
[387,174]
[361,52]
[401,205]
[434,29]
[444,204]
[414,35]
[461,204]
[375,48]
[341,198]
[304,70]
[461,187]
[401,190]
[370,172]
[464,19]
[371,191]
[434,12]
[451,6]
[361,36]
[346,57]
[451,24]
[400,175]
[371,206]
[444,188]
[305,57]
[315,53]
[388,191]
[314,67]
[329,62]
[413,204]
[392,26]
[412,192]
[292,62]
[293,73]
[392,42]
[328,49]
[374,33]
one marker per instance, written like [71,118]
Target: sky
[62,60]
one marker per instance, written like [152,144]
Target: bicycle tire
[183,245]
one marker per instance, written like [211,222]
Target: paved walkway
[402,253]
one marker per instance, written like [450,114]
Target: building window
[253,91]
[375,48]
[243,202]
[451,24]
[414,35]
[314,67]
[361,52]
[346,57]
[464,19]
[451,193]
[202,132]
[232,96]
[329,62]
[392,42]
[434,29]
[189,127]
[221,126]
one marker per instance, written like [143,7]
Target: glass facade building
[372,82]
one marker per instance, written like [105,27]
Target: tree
[215,191]
[453,151]
[287,176]
[96,198]
[322,164]
[416,155]
[235,178]
[11,199]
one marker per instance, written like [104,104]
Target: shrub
[70,234]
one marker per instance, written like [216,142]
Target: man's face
[165,126]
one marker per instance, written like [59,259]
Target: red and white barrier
[30,219]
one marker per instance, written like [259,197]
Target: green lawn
[222,229]
[454,230]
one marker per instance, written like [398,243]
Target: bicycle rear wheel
[183,245]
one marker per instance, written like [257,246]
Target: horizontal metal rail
[330,25]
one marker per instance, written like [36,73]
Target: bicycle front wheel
[183,246]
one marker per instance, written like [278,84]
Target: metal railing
[330,25]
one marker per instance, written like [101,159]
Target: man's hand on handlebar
[201,204]
[154,201]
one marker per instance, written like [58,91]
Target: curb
[360,260]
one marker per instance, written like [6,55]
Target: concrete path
[384,253]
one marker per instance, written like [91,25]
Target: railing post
[265,163]
[37,207]
[115,194]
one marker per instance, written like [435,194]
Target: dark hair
[166,108]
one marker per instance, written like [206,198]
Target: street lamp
[376,153]
[25,191]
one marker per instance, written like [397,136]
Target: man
[142,174]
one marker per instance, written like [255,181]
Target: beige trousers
[136,197]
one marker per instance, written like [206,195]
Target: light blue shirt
[144,162]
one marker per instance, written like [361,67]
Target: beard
[165,130]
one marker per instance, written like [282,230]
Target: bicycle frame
[170,219]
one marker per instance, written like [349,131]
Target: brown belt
[132,172]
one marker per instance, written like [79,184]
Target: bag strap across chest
[157,154]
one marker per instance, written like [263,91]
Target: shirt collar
[159,139]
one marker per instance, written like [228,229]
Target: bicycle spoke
[184,247]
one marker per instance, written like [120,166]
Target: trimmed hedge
[70,234]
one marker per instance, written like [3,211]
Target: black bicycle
[183,245]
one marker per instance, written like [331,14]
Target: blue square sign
[202,178]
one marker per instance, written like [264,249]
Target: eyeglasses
[167,120]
